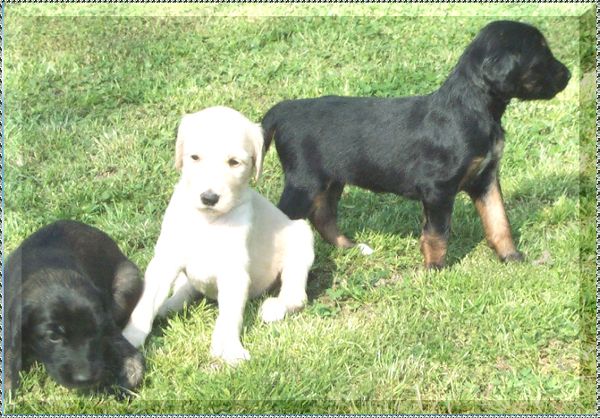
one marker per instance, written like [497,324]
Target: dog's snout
[563,75]
[82,377]
[566,74]
[209,198]
[80,374]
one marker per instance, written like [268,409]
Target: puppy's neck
[497,106]
[465,87]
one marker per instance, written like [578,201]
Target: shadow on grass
[367,211]
[320,278]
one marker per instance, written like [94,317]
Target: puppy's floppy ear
[500,72]
[254,133]
[181,129]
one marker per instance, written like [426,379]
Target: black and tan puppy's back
[69,291]
[426,148]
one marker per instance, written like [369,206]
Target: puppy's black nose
[562,78]
[562,71]
[209,198]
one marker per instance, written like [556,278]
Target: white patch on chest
[207,248]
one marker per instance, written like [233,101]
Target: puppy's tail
[269,126]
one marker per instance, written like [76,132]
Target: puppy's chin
[207,211]
[545,93]
[212,211]
[223,207]
[73,385]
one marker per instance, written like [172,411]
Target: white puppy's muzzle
[209,198]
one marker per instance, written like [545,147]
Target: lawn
[93,96]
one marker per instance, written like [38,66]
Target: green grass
[92,103]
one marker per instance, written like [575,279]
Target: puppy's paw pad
[134,335]
[364,249]
[272,310]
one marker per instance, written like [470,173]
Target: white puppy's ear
[255,135]
[179,143]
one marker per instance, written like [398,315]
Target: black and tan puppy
[424,147]
[69,291]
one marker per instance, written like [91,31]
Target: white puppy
[222,238]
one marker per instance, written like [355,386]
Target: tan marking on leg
[325,221]
[433,247]
[495,222]
[472,170]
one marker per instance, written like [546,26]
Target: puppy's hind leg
[298,258]
[296,201]
[434,240]
[324,218]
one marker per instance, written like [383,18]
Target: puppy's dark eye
[55,337]
[195,157]
[233,162]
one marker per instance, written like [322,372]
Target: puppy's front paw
[135,335]
[235,355]
[124,364]
[434,266]
[273,309]
[231,354]
[516,256]
[132,371]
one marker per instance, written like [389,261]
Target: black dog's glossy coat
[69,291]
[424,147]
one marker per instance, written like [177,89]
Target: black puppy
[69,291]
[424,147]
